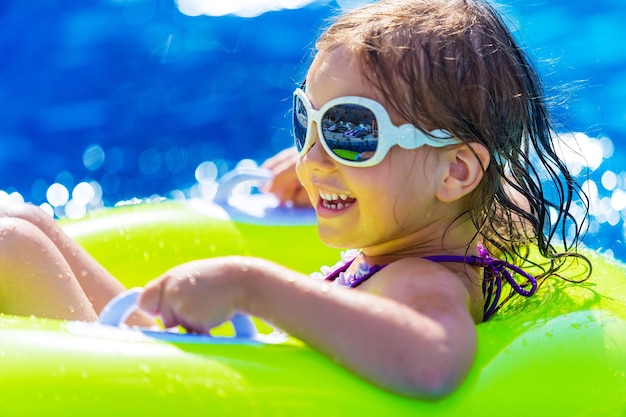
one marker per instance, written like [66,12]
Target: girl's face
[382,209]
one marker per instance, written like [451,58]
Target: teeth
[334,197]
[329,200]
[338,206]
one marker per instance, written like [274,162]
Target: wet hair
[454,65]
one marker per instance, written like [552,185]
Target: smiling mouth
[336,201]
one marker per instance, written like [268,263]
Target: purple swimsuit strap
[498,269]
[356,282]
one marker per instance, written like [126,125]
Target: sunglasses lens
[350,131]
[300,122]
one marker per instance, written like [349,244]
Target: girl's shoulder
[425,285]
[425,271]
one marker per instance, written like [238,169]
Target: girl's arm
[420,344]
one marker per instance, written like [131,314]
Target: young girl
[446,166]
[423,140]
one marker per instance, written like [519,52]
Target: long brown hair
[454,65]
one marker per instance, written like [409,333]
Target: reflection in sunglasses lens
[350,131]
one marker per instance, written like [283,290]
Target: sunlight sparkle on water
[251,8]
[243,8]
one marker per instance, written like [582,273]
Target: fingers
[175,299]
[150,299]
[291,193]
[285,184]
[197,295]
[152,302]
[285,157]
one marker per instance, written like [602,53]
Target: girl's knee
[35,278]
[19,237]
[28,212]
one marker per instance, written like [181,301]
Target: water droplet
[144,368]
[72,309]
[325,287]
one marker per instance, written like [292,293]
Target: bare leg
[36,280]
[96,284]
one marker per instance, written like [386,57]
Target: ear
[464,166]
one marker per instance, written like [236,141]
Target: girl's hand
[198,295]
[285,185]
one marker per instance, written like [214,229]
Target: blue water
[107,100]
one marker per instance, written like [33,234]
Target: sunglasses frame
[406,136]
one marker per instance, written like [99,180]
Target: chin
[333,239]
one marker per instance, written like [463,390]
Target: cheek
[304,176]
[301,171]
[414,193]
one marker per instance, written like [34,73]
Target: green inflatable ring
[561,352]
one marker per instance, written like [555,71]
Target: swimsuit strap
[498,269]
[355,282]
[492,288]
[333,275]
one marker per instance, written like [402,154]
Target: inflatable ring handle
[121,306]
[230,180]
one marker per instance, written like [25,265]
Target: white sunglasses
[357,131]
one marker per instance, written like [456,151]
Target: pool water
[109,100]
